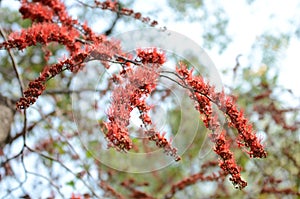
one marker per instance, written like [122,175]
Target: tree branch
[14,63]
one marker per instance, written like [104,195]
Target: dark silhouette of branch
[21,84]
[14,63]
[111,28]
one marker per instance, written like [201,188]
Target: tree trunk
[7,112]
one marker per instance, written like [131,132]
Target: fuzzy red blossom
[124,99]
[65,34]
[226,104]
[36,87]
[75,63]
[36,12]
[119,115]
[43,33]
[204,95]
[227,162]
[126,96]
[244,128]
[54,11]
[163,143]
[151,55]
[89,35]
[131,93]
[59,10]
[137,15]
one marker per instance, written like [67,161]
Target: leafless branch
[14,63]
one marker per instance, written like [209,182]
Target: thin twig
[65,167]
[59,91]
[21,83]
[14,63]
[49,180]
[29,128]
[21,183]
[109,31]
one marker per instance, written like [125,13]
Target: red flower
[204,95]
[75,196]
[227,162]
[131,93]
[36,12]
[151,55]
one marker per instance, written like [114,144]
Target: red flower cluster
[43,33]
[203,94]
[244,128]
[151,55]
[56,6]
[36,12]
[45,30]
[227,162]
[73,64]
[162,142]
[37,86]
[131,93]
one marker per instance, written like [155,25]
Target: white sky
[248,25]
[245,25]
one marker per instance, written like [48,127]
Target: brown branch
[66,168]
[130,185]
[29,128]
[191,180]
[288,154]
[113,25]
[237,65]
[21,83]
[63,92]
[14,63]
[47,179]
[115,7]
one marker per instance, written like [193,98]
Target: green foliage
[212,18]
[272,47]
[185,6]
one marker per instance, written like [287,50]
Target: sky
[249,23]
[246,23]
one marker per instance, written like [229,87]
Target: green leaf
[71,184]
